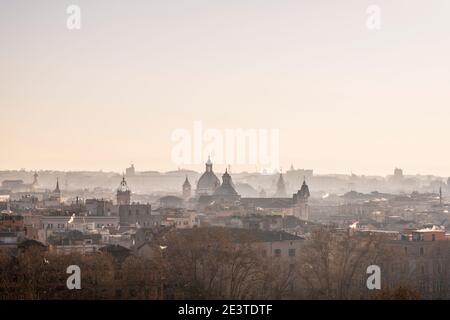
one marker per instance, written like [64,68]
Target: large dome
[208,182]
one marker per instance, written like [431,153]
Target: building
[138,215]
[12,184]
[293,175]
[41,227]
[186,220]
[11,222]
[53,200]
[171,202]
[398,173]
[297,205]
[225,193]
[123,193]
[26,202]
[429,234]
[186,189]
[300,202]
[10,239]
[208,182]
[268,206]
[130,172]
[281,188]
[100,207]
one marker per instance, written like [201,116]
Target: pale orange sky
[344,98]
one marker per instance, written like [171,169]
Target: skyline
[219,169]
[344,98]
[180,152]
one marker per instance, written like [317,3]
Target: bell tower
[300,202]
[186,189]
[281,187]
[123,193]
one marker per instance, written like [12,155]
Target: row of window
[130,212]
[63,225]
[421,251]
[278,252]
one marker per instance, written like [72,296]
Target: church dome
[208,182]
[226,189]
[226,192]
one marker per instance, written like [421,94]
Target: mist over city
[237,151]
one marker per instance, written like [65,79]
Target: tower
[208,165]
[440,196]
[300,202]
[281,188]
[123,193]
[35,183]
[131,171]
[56,194]
[398,174]
[186,189]
[57,190]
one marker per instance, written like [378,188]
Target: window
[277,252]
[291,252]
[421,251]
[433,237]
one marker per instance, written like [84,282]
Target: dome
[208,182]
[226,189]
[226,192]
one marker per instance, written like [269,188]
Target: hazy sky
[343,97]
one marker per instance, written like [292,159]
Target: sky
[344,98]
